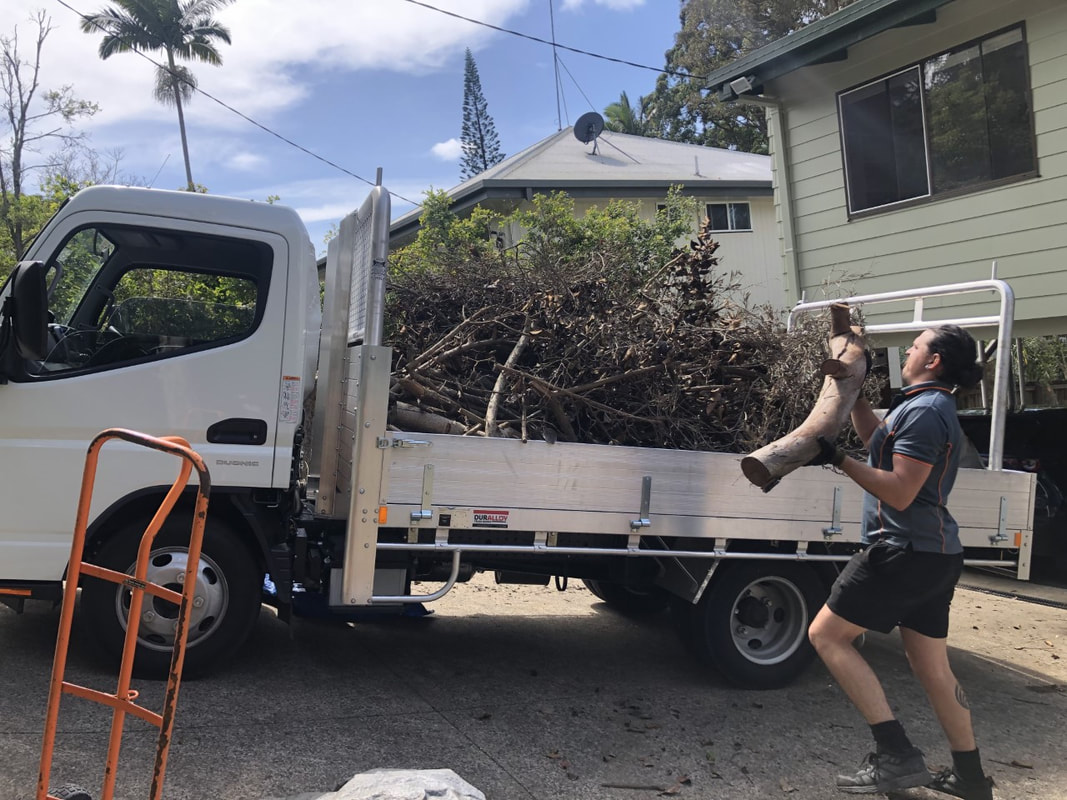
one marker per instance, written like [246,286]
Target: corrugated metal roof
[623,165]
[827,39]
[622,158]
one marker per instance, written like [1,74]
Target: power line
[242,115]
[553,44]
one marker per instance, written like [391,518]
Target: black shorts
[884,586]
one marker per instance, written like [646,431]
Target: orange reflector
[1018,538]
[16,592]
[383,514]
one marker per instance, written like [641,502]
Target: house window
[729,217]
[955,122]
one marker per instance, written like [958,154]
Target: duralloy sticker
[484,518]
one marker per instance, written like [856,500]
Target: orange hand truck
[122,701]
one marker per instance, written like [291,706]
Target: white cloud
[246,162]
[614,5]
[448,151]
[326,212]
[270,46]
[328,200]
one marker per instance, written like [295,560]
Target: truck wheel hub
[159,618]
[770,620]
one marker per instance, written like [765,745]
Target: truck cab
[171,314]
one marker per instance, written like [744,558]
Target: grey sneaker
[886,772]
[948,782]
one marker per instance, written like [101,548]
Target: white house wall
[753,257]
[1022,226]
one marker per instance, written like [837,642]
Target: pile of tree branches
[588,352]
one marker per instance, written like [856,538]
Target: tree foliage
[481,146]
[41,154]
[556,245]
[1044,359]
[713,33]
[180,29]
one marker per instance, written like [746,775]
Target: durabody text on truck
[181,314]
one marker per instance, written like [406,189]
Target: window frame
[729,216]
[257,269]
[931,195]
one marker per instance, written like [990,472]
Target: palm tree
[182,29]
[625,118]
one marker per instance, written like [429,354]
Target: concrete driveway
[526,692]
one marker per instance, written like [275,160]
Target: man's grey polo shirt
[921,425]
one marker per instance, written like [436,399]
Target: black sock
[890,737]
[968,765]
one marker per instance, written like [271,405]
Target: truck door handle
[238,430]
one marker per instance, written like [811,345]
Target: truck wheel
[751,625]
[225,608]
[629,599]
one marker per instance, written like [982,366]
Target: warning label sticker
[289,404]
[484,518]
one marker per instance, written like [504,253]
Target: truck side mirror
[26,310]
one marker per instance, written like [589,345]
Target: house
[916,142]
[733,190]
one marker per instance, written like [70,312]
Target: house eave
[825,40]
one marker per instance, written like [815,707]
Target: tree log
[409,418]
[845,370]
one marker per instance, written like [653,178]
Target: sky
[361,83]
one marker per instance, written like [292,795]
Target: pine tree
[481,147]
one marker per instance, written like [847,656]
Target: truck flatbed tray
[598,489]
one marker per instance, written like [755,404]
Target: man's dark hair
[959,353]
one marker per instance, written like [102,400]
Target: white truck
[183,314]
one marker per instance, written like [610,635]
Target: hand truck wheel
[70,791]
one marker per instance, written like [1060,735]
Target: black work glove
[829,453]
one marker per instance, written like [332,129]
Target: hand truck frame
[122,700]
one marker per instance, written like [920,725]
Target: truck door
[170,328]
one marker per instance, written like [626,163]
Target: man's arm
[864,420]
[897,488]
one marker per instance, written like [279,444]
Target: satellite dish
[589,126]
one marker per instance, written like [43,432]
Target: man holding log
[907,574]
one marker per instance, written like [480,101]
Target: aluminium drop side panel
[327,447]
[369,402]
[355,286]
[587,488]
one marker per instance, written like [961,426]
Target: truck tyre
[629,599]
[751,625]
[227,604]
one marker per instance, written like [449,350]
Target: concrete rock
[406,784]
